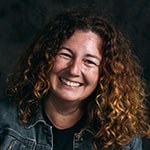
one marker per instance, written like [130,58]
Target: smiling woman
[78,86]
[75,71]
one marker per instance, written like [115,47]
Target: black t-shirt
[63,138]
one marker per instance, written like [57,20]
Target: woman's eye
[65,55]
[90,63]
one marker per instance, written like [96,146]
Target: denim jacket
[37,134]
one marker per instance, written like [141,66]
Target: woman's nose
[75,67]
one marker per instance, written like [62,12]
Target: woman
[78,87]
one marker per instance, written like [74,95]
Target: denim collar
[39,118]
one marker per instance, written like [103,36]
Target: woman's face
[75,73]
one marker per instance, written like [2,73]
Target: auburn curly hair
[117,110]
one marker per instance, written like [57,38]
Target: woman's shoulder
[135,144]
[6,102]
[8,110]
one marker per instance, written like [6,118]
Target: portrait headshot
[77,85]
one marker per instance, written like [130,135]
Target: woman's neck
[63,114]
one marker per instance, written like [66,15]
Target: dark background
[20,20]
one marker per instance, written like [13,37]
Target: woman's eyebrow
[66,49]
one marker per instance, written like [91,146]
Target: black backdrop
[20,20]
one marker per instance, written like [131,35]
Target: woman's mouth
[69,83]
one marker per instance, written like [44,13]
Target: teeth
[69,83]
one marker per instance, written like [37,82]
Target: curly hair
[116,109]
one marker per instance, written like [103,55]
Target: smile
[69,83]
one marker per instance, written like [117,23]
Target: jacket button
[81,139]
[46,131]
